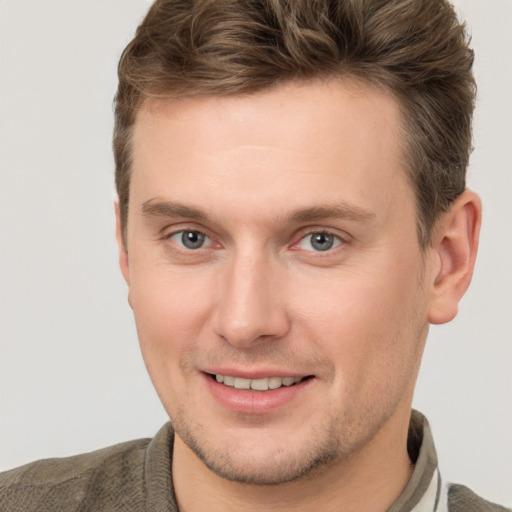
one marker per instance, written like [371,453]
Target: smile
[264,393]
[265,384]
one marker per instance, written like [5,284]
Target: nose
[251,306]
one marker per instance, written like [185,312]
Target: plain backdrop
[71,376]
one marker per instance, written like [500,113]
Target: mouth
[261,385]
[257,392]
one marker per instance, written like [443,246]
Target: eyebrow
[340,210]
[335,211]
[154,208]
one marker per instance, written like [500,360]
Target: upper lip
[254,374]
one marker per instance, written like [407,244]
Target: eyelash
[170,236]
[338,240]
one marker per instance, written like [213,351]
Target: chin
[264,460]
[266,469]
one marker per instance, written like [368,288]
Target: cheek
[366,322]
[170,309]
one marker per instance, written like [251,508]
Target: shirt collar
[425,491]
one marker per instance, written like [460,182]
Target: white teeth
[257,384]
[274,382]
[242,383]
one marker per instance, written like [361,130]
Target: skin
[258,175]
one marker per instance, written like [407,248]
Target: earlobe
[123,253]
[455,247]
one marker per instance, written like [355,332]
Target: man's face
[272,240]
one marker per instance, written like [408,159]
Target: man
[292,216]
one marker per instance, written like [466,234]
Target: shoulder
[462,499]
[72,482]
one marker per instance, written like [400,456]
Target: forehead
[296,143]
[345,108]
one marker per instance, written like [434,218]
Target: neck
[370,480]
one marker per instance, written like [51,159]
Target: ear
[123,252]
[455,244]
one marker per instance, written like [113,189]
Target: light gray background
[71,377]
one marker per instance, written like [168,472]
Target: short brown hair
[415,49]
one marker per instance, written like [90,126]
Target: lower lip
[255,402]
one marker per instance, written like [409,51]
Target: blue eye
[320,242]
[190,239]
